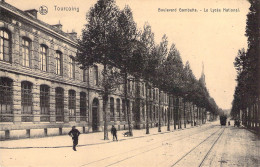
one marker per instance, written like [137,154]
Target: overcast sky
[212,38]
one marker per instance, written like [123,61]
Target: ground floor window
[83,107]
[59,104]
[6,100]
[45,103]
[27,103]
[72,105]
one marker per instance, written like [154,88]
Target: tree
[160,53]
[149,62]
[172,78]
[97,45]
[127,52]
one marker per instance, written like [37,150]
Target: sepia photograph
[130,83]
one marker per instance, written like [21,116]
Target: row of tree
[247,63]
[111,38]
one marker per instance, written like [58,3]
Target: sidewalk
[84,139]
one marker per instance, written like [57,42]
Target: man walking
[74,133]
[113,132]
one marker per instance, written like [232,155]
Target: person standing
[113,132]
[74,133]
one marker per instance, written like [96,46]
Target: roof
[31,18]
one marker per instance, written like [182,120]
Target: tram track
[144,149]
[193,150]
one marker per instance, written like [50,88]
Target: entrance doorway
[95,110]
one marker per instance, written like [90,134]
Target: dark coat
[74,133]
[113,130]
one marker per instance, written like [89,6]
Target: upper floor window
[95,75]
[84,75]
[26,47]
[58,61]
[5,46]
[71,67]
[43,58]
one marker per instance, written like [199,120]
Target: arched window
[6,100]
[71,67]
[59,103]
[58,62]
[27,103]
[5,46]
[26,48]
[45,103]
[43,57]
[72,105]
[83,106]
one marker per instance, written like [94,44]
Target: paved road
[208,145]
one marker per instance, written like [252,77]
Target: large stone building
[43,92]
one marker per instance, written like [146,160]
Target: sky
[211,38]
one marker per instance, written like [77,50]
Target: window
[58,62]
[128,85]
[153,94]
[83,106]
[43,58]
[118,107]
[45,103]
[26,44]
[59,104]
[84,75]
[5,46]
[6,100]
[95,75]
[27,103]
[71,67]
[72,105]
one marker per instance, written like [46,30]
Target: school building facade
[43,92]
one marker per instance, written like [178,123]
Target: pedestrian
[113,132]
[74,133]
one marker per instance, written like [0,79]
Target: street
[206,145]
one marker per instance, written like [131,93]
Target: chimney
[32,12]
[58,26]
[73,35]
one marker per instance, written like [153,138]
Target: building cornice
[40,26]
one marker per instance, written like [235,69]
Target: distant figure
[228,123]
[113,132]
[74,133]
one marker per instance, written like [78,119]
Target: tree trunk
[147,110]
[105,100]
[159,126]
[168,111]
[180,114]
[127,106]
[191,113]
[174,113]
[184,112]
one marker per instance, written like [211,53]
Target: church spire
[202,77]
